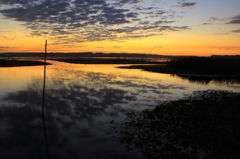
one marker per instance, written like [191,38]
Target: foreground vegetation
[195,65]
[105,61]
[202,125]
[14,63]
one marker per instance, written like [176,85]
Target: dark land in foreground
[15,63]
[202,125]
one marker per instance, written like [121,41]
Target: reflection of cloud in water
[132,84]
[71,132]
[78,105]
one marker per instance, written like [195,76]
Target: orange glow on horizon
[181,43]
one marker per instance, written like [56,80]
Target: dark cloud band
[235,20]
[79,21]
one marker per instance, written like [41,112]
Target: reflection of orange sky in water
[15,78]
[111,69]
[150,77]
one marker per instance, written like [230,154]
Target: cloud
[161,22]
[78,21]
[184,4]
[207,23]
[6,47]
[157,47]
[147,12]
[236,31]
[129,1]
[142,8]
[230,48]
[173,28]
[3,47]
[136,19]
[18,14]
[216,19]
[161,12]
[112,10]
[235,20]
[131,15]
[144,22]
[12,2]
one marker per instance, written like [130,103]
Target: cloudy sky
[168,27]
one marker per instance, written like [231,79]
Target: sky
[164,27]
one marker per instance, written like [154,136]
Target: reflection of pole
[44,80]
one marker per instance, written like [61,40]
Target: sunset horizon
[116,54]
[119,79]
[176,27]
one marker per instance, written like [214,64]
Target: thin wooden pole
[43,99]
[45,59]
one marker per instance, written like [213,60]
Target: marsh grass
[205,123]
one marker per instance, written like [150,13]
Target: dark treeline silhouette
[100,54]
[226,56]
[87,54]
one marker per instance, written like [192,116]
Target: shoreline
[106,61]
[17,63]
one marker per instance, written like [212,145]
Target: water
[80,102]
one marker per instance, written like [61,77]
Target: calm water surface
[80,102]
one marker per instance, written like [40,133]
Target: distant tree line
[88,54]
